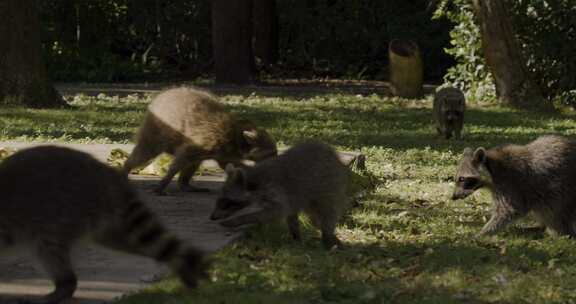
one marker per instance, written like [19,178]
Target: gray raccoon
[449,107]
[193,126]
[52,197]
[308,177]
[537,178]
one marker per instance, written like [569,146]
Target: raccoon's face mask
[235,195]
[470,173]
[452,116]
[260,145]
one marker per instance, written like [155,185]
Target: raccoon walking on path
[539,177]
[449,107]
[308,177]
[51,197]
[193,126]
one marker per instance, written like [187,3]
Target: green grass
[406,242]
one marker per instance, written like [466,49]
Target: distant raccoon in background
[193,126]
[449,107]
[539,177]
[51,197]
[308,177]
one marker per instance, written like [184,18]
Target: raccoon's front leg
[458,134]
[500,219]
[186,176]
[55,258]
[448,133]
[262,216]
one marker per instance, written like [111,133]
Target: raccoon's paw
[332,243]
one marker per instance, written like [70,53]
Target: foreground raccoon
[308,177]
[52,197]
[193,126]
[539,177]
[449,106]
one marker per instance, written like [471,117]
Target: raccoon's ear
[250,136]
[467,152]
[479,155]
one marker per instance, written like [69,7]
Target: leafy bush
[115,40]
[547,34]
[470,74]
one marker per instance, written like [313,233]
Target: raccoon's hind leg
[327,213]
[54,256]
[142,154]
[182,158]
[440,132]
[186,176]
[458,134]
[294,226]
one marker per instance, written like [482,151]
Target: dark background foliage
[135,40]
[119,40]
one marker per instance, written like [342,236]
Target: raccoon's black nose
[455,196]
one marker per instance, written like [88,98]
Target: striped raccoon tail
[147,235]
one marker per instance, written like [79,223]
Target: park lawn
[405,243]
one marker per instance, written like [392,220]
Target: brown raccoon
[449,106]
[539,178]
[308,177]
[193,126]
[52,197]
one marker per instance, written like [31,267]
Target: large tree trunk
[23,78]
[232,41]
[265,31]
[514,85]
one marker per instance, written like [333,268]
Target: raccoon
[308,177]
[449,106]
[537,178]
[53,197]
[193,126]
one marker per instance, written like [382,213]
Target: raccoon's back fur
[51,197]
[193,126]
[537,178]
[308,177]
[449,107]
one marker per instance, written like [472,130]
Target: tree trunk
[232,41]
[514,85]
[23,77]
[265,31]
[406,72]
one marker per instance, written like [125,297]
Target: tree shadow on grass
[387,270]
[400,128]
